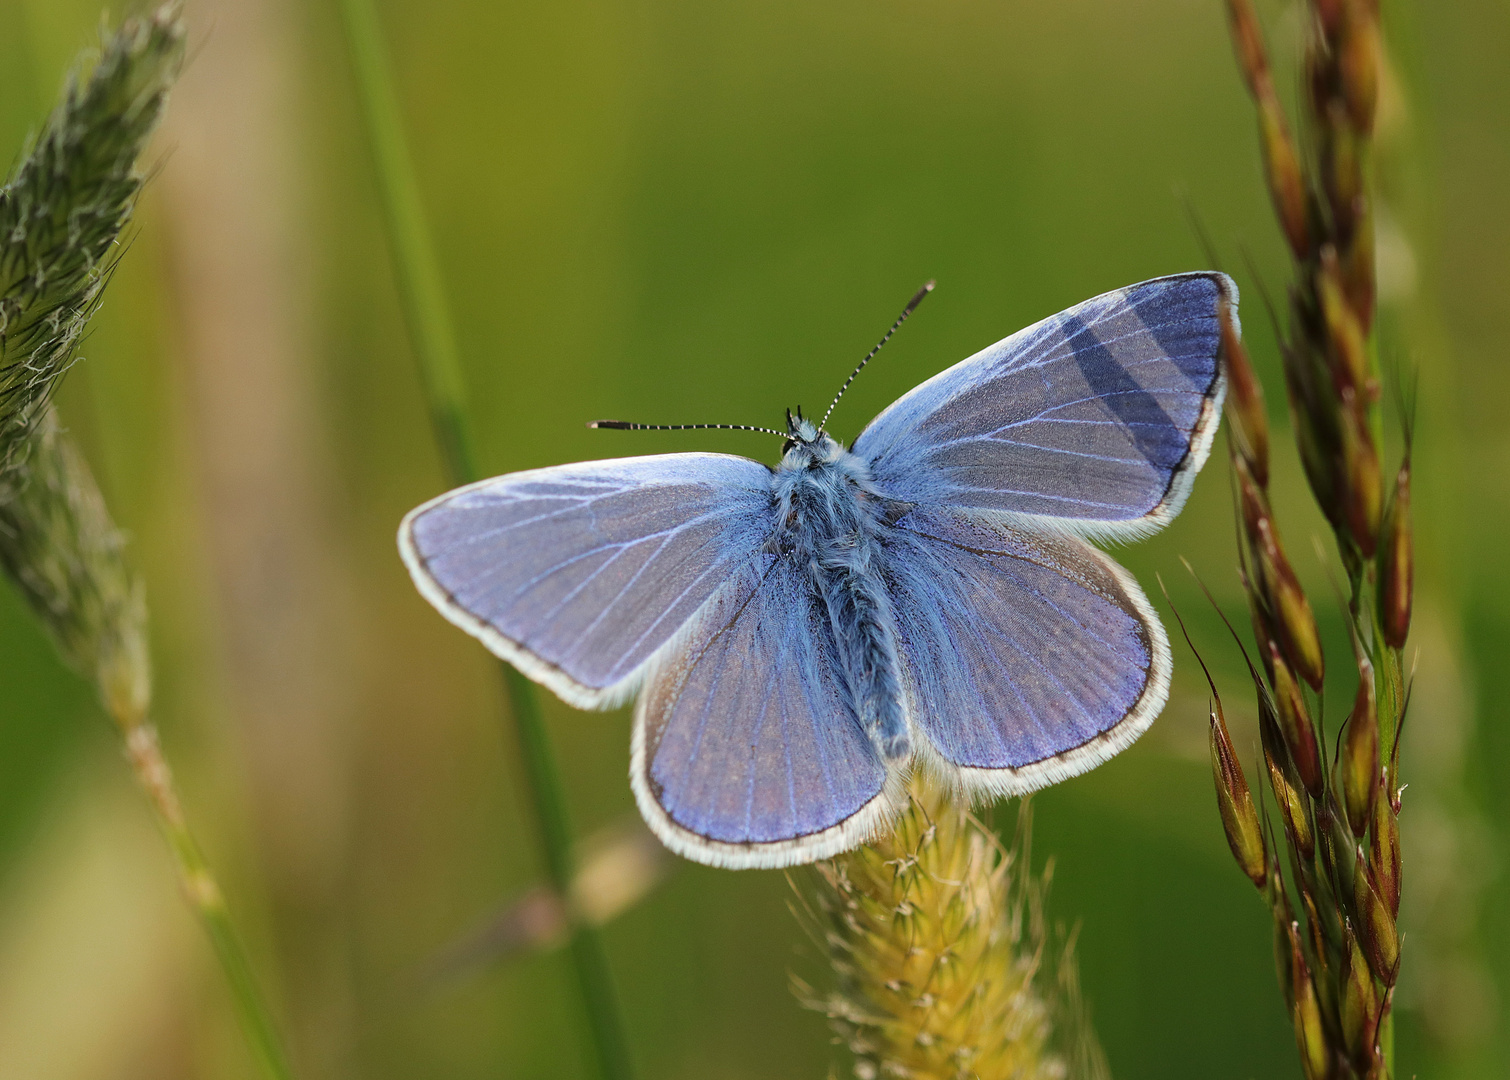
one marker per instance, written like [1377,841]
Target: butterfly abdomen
[831,525]
[860,612]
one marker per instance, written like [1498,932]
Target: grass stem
[418,275]
[428,321]
[204,894]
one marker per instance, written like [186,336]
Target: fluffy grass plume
[936,937]
[61,217]
[62,212]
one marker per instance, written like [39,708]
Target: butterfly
[801,637]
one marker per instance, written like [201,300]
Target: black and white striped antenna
[626,425]
[912,305]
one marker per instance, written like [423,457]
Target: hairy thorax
[832,521]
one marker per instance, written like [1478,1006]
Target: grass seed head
[1248,39]
[1310,1035]
[1246,409]
[1360,755]
[1282,168]
[1360,1007]
[1342,174]
[1362,491]
[1245,834]
[1376,925]
[1337,965]
[1290,611]
[1358,57]
[1384,846]
[1358,264]
[1396,563]
[1347,348]
[1284,781]
[935,933]
[1295,724]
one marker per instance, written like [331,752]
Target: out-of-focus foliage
[677,211]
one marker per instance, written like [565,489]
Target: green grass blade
[434,342]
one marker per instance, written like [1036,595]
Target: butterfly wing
[578,574]
[746,750]
[1029,657]
[1093,421]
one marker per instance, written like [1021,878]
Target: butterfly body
[799,638]
[833,523]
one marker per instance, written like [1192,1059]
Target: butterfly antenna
[912,305]
[625,425]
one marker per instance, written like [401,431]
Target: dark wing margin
[746,751]
[1029,658]
[578,574]
[1093,421]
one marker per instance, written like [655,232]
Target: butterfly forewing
[1095,419]
[578,574]
[747,751]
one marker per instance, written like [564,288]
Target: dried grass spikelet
[937,939]
[1340,819]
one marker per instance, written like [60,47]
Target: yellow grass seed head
[936,935]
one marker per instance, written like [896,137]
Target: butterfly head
[808,445]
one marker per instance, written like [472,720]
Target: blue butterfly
[801,637]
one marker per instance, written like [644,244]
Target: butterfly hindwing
[1029,657]
[578,574]
[1093,421]
[746,749]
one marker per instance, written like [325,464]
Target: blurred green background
[677,211]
